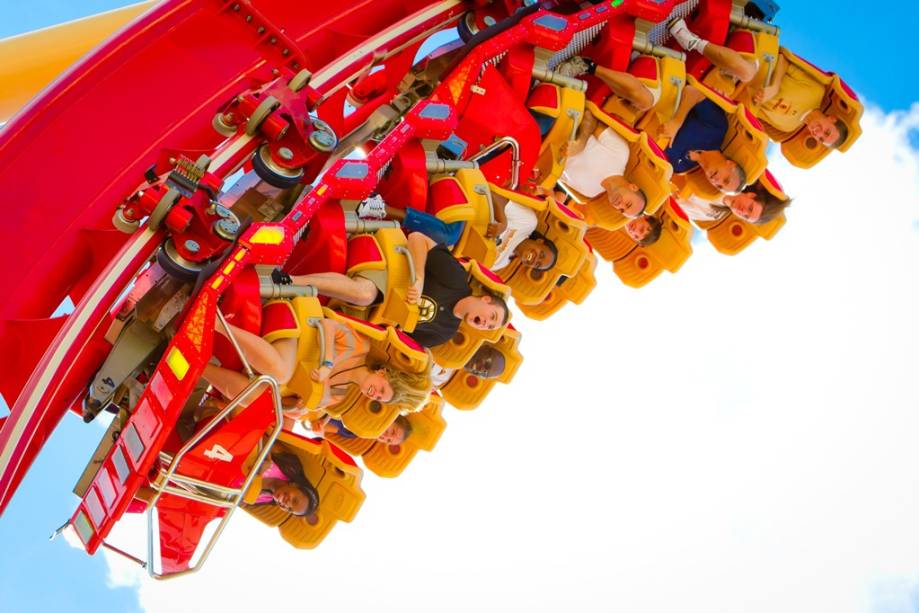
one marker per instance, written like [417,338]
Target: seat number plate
[217,452]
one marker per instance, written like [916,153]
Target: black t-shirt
[444,285]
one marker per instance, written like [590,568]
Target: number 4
[217,452]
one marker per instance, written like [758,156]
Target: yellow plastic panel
[550,162]
[611,245]
[427,426]
[799,147]
[473,244]
[465,391]
[575,289]
[560,225]
[670,252]
[732,235]
[459,349]
[308,353]
[338,485]
[395,309]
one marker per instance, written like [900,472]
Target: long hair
[408,388]
[290,465]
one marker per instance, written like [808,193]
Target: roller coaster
[178,180]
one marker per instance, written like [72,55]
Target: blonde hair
[408,388]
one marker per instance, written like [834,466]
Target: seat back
[478,215]
[383,253]
[566,105]
[427,426]
[744,142]
[644,263]
[459,349]
[575,289]
[761,48]
[799,147]
[648,168]
[337,480]
[730,235]
[566,230]
[306,312]
[466,391]
[368,418]
[390,460]
[667,74]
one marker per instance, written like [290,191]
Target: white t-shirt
[440,375]
[701,210]
[521,221]
[602,157]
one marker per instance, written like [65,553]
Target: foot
[576,66]
[685,37]
[280,277]
[372,208]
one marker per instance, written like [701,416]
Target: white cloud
[737,437]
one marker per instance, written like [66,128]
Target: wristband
[328,363]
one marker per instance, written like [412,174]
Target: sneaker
[683,35]
[573,67]
[372,208]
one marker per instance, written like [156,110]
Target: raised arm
[768,91]
[691,97]
[418,247]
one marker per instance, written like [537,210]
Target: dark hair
[406,426]
[503,303]
[290,465]
[654,233]
[843,133]
[538,236]
[772,204]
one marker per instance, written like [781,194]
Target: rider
[486,363]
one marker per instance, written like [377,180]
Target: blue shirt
[341,430]
[704,130]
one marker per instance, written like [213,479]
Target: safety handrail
[401,249]
[235,494]
[504,141]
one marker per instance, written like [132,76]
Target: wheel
[162,208]
[300,80]
[175,265]
[467,27]
[262,111]
[273,174]
[123,224]
[221,127]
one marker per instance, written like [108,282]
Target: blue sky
[37,575]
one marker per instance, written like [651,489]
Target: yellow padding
[731,235]
[670,252]
[766,55]
[427,426]
[550,162]
[394,308]
[462,211]
[459,349]
[367,418]
[338,485]
[531,286]
[575,290]
[308,353]
[466,391]
[472,243]
[354,446]
[650,172]
[611,245]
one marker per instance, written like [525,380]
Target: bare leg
[730,61]
[228,382]
[626,86]
[722,57]
[357,291]
[276,359]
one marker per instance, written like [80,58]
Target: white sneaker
[372,208]
[573,67]
[685,37]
